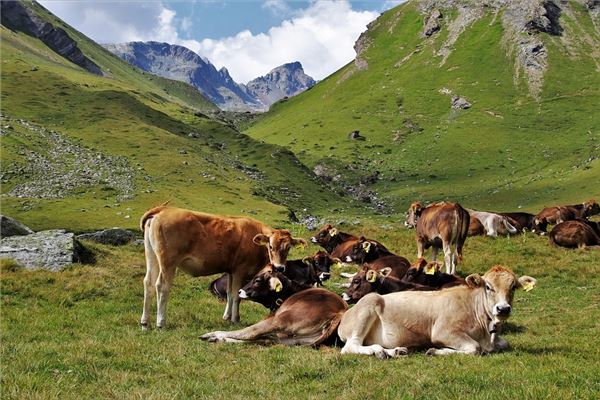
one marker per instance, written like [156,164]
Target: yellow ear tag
[371,276]
[278,287]
[367,246]
[528,286]
[332,232]
[430,270]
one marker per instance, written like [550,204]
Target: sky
[248,37]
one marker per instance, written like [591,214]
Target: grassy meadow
[75,334]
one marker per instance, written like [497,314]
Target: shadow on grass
[512,328]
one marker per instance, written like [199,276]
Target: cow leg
[434,251]
[369,314]
[448,257]
[264,331]
[236,285]
[163,285]
[152,269]
[420,248]
[228,307]
[461,344]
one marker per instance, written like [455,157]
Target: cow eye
[356,281]
[488,287]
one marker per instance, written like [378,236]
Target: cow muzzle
[279,268]
[324,276]
[502,310]
[313,239]
[348,259]
[242,293]
[345,297]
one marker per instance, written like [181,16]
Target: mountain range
[179,63]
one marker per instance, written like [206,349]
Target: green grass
[75,334]
[508,150]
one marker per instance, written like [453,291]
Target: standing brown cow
[440,225]
[204,244]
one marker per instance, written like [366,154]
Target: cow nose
[324,276]
[313,239]
[503,309]
[348,259]
[242,293]
[279,268]
[345,296]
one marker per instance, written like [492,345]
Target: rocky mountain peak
[284,81]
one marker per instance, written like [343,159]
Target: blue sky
[248,37]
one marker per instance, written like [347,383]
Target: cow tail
[330,328]
[509,226]
[151,213]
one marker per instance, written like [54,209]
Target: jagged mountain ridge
[180,63]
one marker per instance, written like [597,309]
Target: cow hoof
[382,354]
[145,326]
[431,352]
[399,351]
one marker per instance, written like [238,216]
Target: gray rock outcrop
[52,250]
[460,103]
[432,23]
[113,236]
[11,227]
[284,81]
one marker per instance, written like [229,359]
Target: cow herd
[399,306]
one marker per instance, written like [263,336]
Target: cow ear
[474,280]
[371,276]
[333,232]
[527,283]
[261,239]
[298,242]
[420,263]
[430,268]
[307,260]
[385,272]
[367,246]
[275,284]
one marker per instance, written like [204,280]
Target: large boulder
[113,236]
[52,250]
[12,227]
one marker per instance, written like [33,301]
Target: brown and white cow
[577,233]
[493,223]
[307,318]
[461,319]
[440,225]
[557,214]
[204,244]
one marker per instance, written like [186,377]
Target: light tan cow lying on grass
[462,319]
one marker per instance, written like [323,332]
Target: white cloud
[320,36]
[277,7]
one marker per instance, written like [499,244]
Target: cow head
[413,214]
[498,286]
[278,243]
[364,282]
[321,262]
[265,288]
[361,250]
[591,208]
[421,271]
[325,235]
[540,225]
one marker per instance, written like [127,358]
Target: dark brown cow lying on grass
[308,318]
[526,222]
[558,214]
[579,233]
[462,319]
[271,288]
[365,251]
[333,241]
[440,226]
[310,271]
[429,274]
[204,244]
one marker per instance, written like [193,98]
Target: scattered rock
[183,151]
[113,236]
[432,23]
[355,135]
[11,227]
[194,135]
[545,19]
[311,222]
[292,216]
[138,242]
[52,250]
[460,103]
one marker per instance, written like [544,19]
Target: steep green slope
[516,146]
[82,151]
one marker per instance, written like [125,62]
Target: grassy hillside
[511,149]
[75,334]
[82,151]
